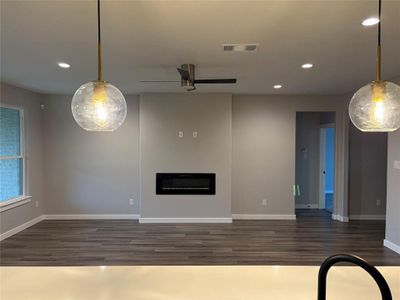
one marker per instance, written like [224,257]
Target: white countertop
[189,283]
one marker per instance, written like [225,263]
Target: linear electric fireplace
[185,183]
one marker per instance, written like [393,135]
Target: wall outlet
[131,202]
[264,202]
[180,134]
[396,164]
[194,134]
[37,203]
[378,202]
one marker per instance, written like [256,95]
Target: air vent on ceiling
[240,47]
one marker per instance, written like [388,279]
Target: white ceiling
[145,40]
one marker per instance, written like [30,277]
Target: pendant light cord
[99,74]
[378,58]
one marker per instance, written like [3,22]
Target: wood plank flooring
[306,241]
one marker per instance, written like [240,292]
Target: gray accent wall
[393,190]
[30,102]
[89,172]
[162,116]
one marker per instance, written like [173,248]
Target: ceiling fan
[188,80]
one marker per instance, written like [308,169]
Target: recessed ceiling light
[370,21]
[307,66]
[63,65]
[277,86]
[240,47]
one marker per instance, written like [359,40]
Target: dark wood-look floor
[306,241]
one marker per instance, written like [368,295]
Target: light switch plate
[396,164]
[180,134]
[194,134]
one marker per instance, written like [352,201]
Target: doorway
[327,167]
[315,161]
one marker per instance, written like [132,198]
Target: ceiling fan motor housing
[188,83]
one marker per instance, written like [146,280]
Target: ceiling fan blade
[184,74]
[149,81]
[213,81]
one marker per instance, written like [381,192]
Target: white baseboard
[21,227]
[67,217]
[310,206]
[340,218]
[262,217]
[367,217]
[392,246]
[93,217]
[185,220]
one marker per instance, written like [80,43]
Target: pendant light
[98,105]
[376,106]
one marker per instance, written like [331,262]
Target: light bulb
[98,106]
[101,113]
[379,113]
[378,98]
[376,107]
[99,102]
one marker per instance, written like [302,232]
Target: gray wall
[96,173]
[30,102]
[263,156]
[393,190]
[393,187]
[162,116]
[367,172]
[86,172]
[263,161]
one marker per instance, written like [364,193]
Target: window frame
[23,198]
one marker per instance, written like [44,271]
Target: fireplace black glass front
[185,183]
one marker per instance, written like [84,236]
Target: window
[12,154]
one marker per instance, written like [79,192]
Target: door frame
[338,105]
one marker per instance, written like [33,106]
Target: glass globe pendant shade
[98,106]
[376,107]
